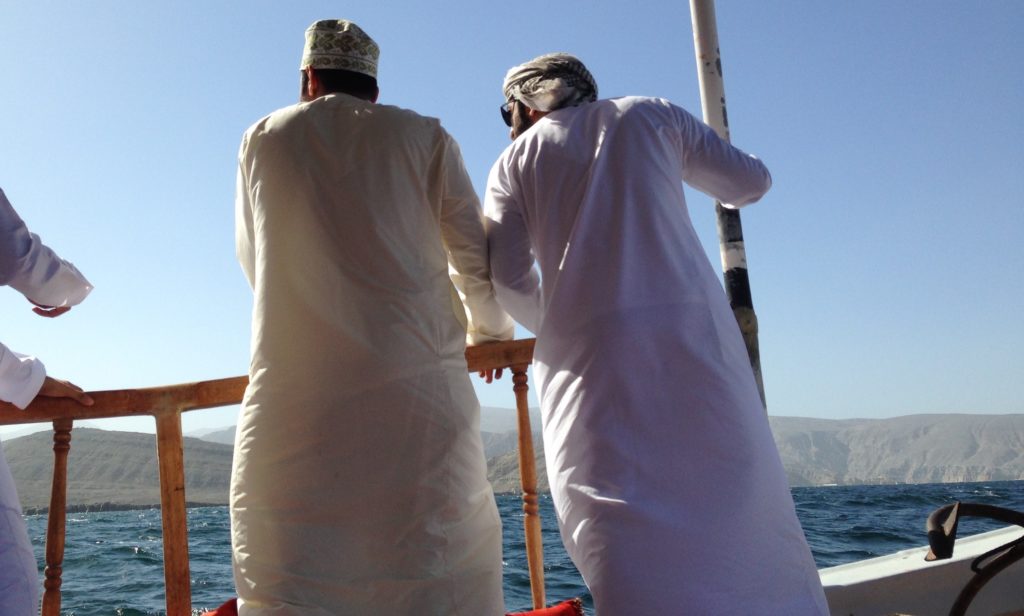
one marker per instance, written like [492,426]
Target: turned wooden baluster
[171,460]
[528,478]
[56,519]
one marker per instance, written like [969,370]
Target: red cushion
[230,608]
[572,607]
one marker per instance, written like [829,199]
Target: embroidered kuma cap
[340,44]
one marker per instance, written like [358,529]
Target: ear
[312,83]
[535,115]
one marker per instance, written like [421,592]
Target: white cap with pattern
[340,44]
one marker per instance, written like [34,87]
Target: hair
[346,82]
[522,112]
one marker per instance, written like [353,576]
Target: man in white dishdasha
[359,483]
[53,286]
[668,488]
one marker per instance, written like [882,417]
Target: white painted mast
[730,232]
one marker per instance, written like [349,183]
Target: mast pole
[730,231]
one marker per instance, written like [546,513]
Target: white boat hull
[903,583]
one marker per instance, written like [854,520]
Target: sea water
[113,560]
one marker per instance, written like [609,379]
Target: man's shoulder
[295,110]
[401,114]
[640,102]
[640,108]
[274,118]
[609,109]
[397,118]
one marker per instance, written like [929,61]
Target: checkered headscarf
[550,82]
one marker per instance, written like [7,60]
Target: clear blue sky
[885,262]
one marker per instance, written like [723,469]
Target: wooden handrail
[166,404]
[151,401]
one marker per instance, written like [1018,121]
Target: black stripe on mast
[730,231]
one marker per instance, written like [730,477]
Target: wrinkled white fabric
[32,268]
[669,491]
[21,377]
[29,266]
[19,575]
[359,482]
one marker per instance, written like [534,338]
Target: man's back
[600,190]
[359,481]
[345,204]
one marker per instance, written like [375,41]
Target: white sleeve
[245,238]
[32,268]
[21,377]
[713,166]
[516,281]
[462,230]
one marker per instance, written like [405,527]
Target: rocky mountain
[909,449]
[113,469]
[498,420]
[224,436]
[496,424]
[503,471]
[498,444]
[108,469]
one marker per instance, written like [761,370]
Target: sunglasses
[506,112]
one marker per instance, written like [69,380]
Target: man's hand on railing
[491,374]
[56,388]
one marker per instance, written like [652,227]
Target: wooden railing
[166,404]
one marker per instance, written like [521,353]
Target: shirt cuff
[21,377]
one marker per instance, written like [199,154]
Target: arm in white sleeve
[245,238]
[21,377]
[715,167]
[32,268]
[462,230]
[516,280]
